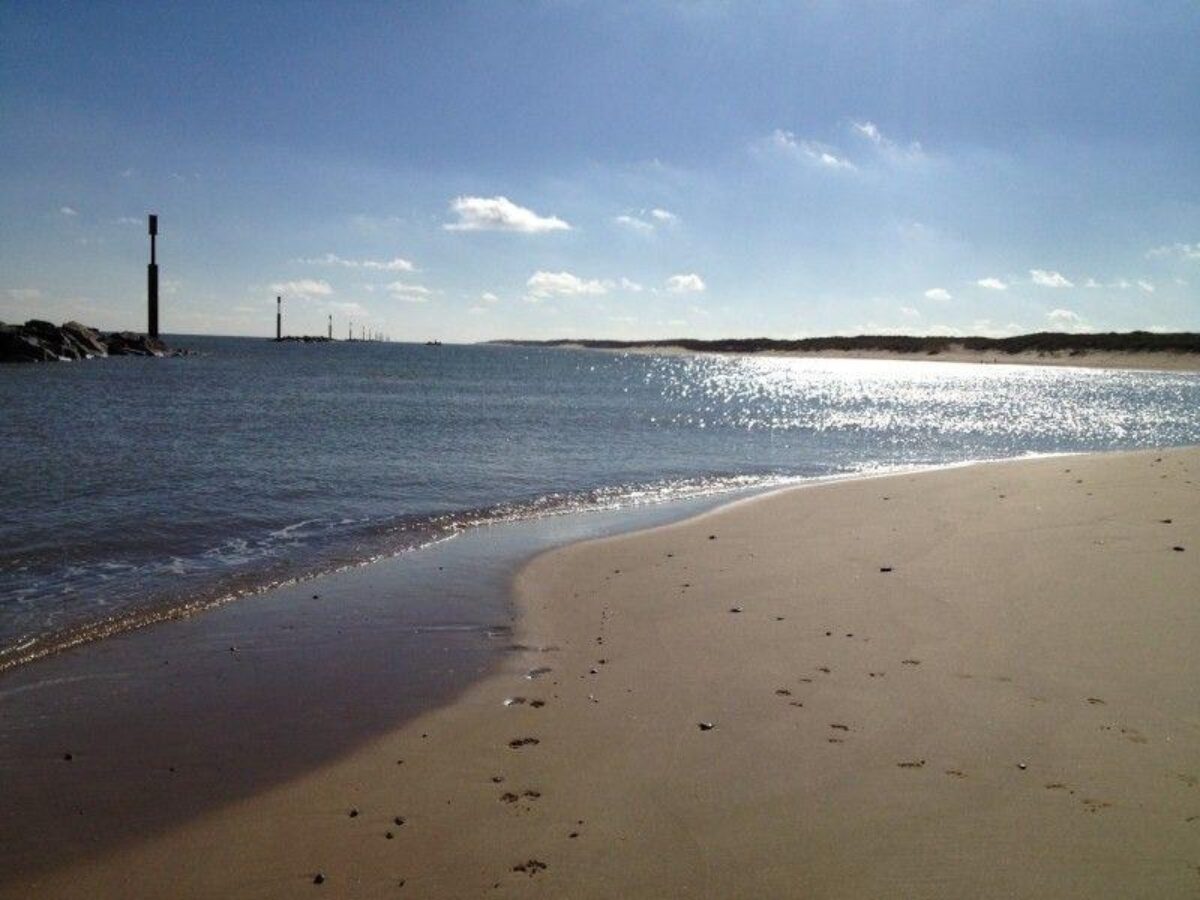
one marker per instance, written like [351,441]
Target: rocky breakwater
[38,341]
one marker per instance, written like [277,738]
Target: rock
[41,341]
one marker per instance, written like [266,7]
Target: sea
[135,489]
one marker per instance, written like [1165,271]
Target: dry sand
[979,682]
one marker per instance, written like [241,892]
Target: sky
[469,171]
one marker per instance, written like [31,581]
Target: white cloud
[389,265]
[1146,286]
[1066,319]
[68,211]
[870,131]
[810,151]
[1183,251]
[500,214]
[349,308]
[1092,283]
[938,293]
[648,221]
[409,293]
[635,224]
[992,284]
[1046,278]
[489,297]
[631,286]
[304,287]
[690,283]
[563,284]
[910,313]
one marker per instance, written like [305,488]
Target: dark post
[152,281]
[331,326]
[279,318]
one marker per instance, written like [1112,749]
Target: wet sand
[973,682]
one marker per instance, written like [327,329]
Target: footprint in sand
[1056,786]
[840,727]
[783,692]
[824,669]
[956,773]
[530,867]
[1134,735]
[910,662]
[518,743]
[912,764]
[538,672]
[1095,701]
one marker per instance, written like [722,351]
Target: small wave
[242,566]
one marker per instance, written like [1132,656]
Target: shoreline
[952,725]
[1119,360]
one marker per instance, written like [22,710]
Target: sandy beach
[973,682]
[1141,361]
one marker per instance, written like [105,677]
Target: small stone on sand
[706,726]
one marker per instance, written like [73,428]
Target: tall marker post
[152,282]
[279,318]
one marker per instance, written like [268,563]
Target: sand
[976,682]
[1092,359]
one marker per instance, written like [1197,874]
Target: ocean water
[132,488]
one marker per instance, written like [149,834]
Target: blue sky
[468,171]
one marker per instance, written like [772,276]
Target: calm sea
[132,486]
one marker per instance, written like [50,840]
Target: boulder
[88,339]
[40,341]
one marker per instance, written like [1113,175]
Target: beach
[974,681]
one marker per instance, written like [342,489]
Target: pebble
[706,726]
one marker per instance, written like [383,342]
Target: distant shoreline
[1132,350]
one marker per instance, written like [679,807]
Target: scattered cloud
[690,283]
[992,284]
[349,308]
[647,221]
[377,265]
[938,293]
[543,285]
[69,211]
[24,294]
[635,224]
[1048,278]
[489,297]
[631,286]
[304,287]
[1146,286]
[870,131]
[1092,283]
[500,214]
[1066,319]
[409,293]
[812,152]
[1182,251]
